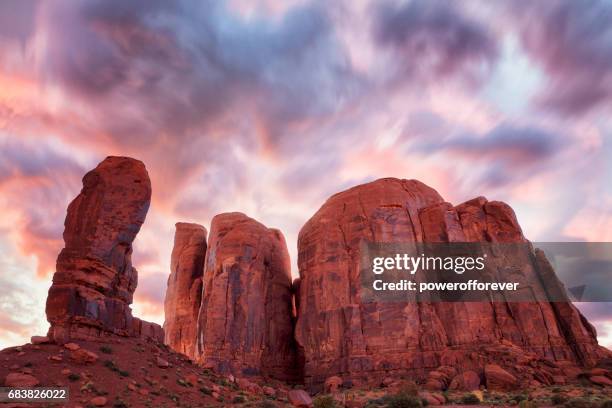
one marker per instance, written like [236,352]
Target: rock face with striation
[94,280]
[245,319]
[432,342]
[184,292]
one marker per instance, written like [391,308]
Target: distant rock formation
[431,342]
[232,307]
[94,279]
[245,321]
[184,293]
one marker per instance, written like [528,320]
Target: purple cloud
[521,145]
[184,67]
[510,153]
[17,19]
[572,41]
[433,36]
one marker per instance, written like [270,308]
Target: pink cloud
[232,108]
[36,185]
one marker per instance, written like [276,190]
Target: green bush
[324,401]
[519,397]
[558,399]
[239,399]
[527,404]
[74,377]
[404,401]
[470,399]
[579,403]
[106,349]
[377,402]
[120,404]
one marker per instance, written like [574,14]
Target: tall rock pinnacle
[184,293]
[245,320]
[94,279]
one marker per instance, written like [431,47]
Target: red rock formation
[95,280]
[245,320]
[184,293]
[364,342]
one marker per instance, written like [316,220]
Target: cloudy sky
[268,107]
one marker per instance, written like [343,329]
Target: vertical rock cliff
[94,280]
[184,292]
[245,319]
[364,342]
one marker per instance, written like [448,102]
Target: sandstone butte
[231,305]
[522,344]
[245,323]
[184,292]
[94,281]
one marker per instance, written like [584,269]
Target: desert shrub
[404,401]
[527,404]
[239,399]
[74,377]
[519,397]
[205,390]
[579,403]
[106,349]
[222,382]
[324,401]
[110,364]
[376,402]
[558,399]
[266,404]
[113,367]
[470,399]
[120,404]
[447,397]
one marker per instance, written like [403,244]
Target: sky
[269,107]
